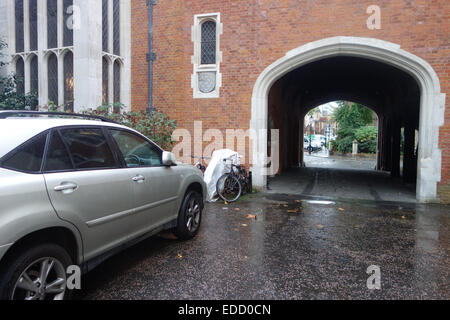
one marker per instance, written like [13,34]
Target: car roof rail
[14,113]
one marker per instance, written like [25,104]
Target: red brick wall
[257,33]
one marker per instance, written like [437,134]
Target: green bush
[10,99]
[155,125]
[351,117]
[367,139]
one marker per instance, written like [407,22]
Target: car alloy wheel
[193,215]
[44,279]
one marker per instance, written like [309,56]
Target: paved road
[294,249]
[342,178]
[322,159]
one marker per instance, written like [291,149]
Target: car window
[137,151]
[28,157]
[89,148]
[57,158]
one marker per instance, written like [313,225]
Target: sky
[329,107]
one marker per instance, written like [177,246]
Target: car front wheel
[190,216]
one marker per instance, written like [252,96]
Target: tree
[10,99]
[350,117]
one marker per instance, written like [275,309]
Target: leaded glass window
[105,25]
[34,78]
[116,82]
[19,26]
[20,74]
[33,25]
[208,45]
[52,78]
[116,27]
[68,28]
[105,77]
[68,81]
[52,23]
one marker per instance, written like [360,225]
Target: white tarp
[217,168]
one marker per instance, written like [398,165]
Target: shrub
[155,125]
[367,139]
[10,99]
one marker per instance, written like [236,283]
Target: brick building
[257,64]
[275,60]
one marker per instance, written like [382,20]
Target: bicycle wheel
[229,188]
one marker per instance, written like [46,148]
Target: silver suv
[76,191]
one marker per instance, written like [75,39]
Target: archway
[431,104]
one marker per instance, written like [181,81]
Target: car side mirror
[168,159]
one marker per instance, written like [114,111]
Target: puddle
[320,202]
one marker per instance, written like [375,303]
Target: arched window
[34,78]
[105,25]
[52,74]
[116,82]
[19,26]
[20,76]
[105,77]
[68,81]
[33,25]
[208,43]
[52,23]
[116,27]
[68,28]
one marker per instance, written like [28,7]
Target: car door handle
[66,187]
[139,178]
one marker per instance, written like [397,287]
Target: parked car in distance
[76,191]
[315,145]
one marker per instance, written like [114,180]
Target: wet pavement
[322,159]
[342,178]
[273,246]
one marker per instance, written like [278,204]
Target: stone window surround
[83,99]
[42,53]
[111,58]
[199,19]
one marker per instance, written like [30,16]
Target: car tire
[28,260]
[190,216]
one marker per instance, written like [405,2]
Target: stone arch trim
[432,101]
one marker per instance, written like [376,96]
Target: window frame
[119,152]
[16,149]
[199,20]
[118,164]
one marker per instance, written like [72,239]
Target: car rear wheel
[190,216]
[37,273]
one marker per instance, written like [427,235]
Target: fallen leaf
[226,202]
[244,225]
[320,226]
[251,216]
[341,209]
